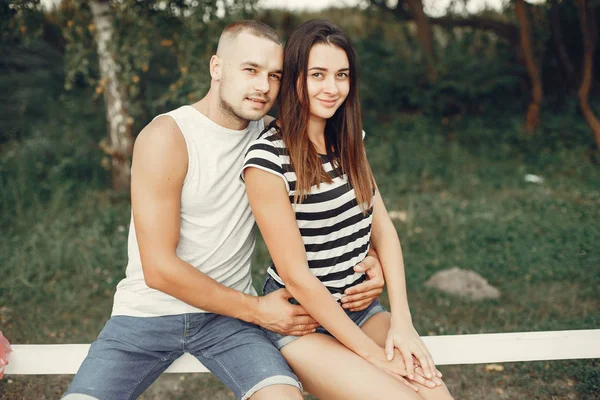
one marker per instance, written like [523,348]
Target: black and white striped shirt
[335,232]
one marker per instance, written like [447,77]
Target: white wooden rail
[42,359]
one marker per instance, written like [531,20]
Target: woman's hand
[396,368]
[404,337]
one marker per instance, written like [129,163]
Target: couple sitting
[202,175]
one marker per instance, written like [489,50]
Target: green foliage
[163,50]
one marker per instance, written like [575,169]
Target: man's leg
[242,357]
[129,354]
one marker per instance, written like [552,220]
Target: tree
[402,11]
[120,141]
[424,35]
[589,30]
[559,43]
[532,120]
[162,45]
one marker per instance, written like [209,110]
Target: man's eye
[251,70]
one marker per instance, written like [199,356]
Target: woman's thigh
[377,328]
[329,370]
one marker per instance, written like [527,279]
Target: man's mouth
[255,100]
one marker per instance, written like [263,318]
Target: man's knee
[277,392]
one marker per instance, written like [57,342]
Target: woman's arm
[275,217]
[402,334]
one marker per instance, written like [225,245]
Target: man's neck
[209,106]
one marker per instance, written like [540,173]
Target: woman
[316,203]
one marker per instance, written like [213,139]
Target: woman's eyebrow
[325,69]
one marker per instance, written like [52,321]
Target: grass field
[63,246]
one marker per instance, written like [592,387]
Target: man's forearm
[179,279]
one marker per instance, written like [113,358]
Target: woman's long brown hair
[343,131]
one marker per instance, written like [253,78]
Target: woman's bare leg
[377,328]
[331,371]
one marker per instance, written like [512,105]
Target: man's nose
[262,84]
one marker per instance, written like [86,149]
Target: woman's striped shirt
[335,232]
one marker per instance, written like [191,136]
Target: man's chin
[255,115]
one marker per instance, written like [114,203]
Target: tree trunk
[425,36]
[533,112]
[120,142]
[506,30]
[561,50]
[588,28]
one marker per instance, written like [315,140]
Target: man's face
[250,77]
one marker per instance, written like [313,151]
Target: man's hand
[359,297]
[277,314]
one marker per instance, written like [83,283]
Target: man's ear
[215,68]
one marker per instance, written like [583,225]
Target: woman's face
[328,80]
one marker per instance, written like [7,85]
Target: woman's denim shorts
[359,317]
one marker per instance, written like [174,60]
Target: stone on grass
[464,283]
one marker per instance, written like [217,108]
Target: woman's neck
[316,134]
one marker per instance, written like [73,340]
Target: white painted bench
[42,359]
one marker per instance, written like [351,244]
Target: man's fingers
[359,268]
[298,310]
[304,320]
[300,333]
[370,294]
[358,306]
[363,289]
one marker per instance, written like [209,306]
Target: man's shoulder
[163,134]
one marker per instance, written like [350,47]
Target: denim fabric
[131,352]
[359,317]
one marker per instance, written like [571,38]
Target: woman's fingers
[410,367]
[431,365]
[389,348]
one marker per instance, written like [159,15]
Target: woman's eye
[317,75]
[343,75]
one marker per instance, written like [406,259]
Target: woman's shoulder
[270,137]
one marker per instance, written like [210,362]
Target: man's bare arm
[159,168]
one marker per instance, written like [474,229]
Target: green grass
[64,235]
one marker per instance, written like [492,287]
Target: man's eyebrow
[252,64]
[255,65]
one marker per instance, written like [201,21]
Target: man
[188,286]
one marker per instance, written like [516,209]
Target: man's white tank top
[217,226]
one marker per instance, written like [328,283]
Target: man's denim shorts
[359,317]
[131,352]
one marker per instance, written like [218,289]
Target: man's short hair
[253,27]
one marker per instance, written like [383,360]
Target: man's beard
[236,114]
[230,112]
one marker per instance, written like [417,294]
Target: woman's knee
[284,392]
